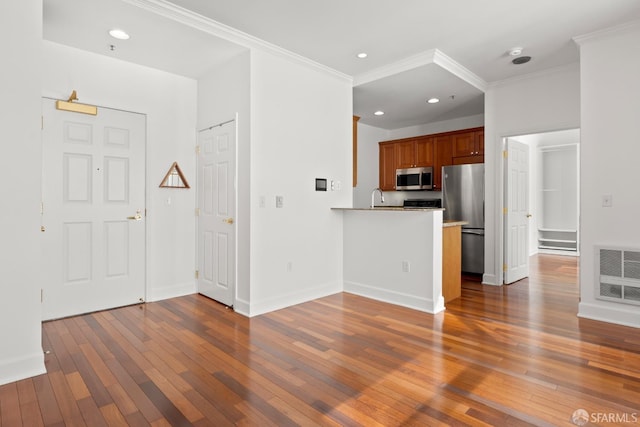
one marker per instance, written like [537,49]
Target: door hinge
[505,154]
[504,268]
[197,149]
[197,274]
[197,211]
[505,211]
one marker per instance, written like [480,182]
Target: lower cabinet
[451,262]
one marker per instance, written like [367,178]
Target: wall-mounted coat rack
[174,178]
[75,107]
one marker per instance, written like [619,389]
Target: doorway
[553,200]
[93,210]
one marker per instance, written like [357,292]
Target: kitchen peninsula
[394,255]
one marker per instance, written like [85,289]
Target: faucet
[373,194]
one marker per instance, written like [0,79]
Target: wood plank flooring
[515,355]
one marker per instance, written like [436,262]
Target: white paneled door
[517,214]
[216,210]
[93,210]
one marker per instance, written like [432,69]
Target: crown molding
[459,71]
[432,56]
[406,64]
[580,40]
[207,25]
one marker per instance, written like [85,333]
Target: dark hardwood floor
[515,355]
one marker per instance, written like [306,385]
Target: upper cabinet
[387,167]
[468,147]
[449,148]
[443,156]
[413,153]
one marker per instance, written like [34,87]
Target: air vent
[618,275]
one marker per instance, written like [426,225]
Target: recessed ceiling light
[119,34]
[433,100]
[379,113]
[362,55]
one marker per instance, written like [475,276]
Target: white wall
[224,94]
[610,103]
[438,127]
[169,101]
[301,129]
[378,244]
[21,353]
[368,165]
[531,104]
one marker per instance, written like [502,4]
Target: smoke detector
[515,51]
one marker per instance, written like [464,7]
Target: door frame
[500,248]
[235,121]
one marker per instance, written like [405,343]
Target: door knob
[529,215]
[228,220]
[136,217]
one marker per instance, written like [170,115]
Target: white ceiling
[416,48]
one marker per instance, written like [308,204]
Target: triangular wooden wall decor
[174,178]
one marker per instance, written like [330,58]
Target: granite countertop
[390,208]
[453,223]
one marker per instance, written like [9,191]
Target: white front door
[517,214]
[93,210]
[216,208]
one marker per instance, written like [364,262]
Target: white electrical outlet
[607,201]
[262,202]
[406,266]
[279,201]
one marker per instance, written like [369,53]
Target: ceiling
[417,49]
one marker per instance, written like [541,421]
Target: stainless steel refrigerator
[463,199]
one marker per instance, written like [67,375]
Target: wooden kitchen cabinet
[442,156]
[451,262]
[436,150]
[387,166]
[468,147]
[414,153]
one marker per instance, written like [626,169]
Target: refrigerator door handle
[475,232]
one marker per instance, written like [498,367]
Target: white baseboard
[241,306]
[19,369]
[490,279]
[283,301]
[410,301]
[623,315]
[174,291]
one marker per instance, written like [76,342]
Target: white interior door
[517,216]
[216,207]
[93,210]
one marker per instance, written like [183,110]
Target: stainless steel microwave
[414,178]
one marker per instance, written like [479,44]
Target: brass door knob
[228,220]
[136,217]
